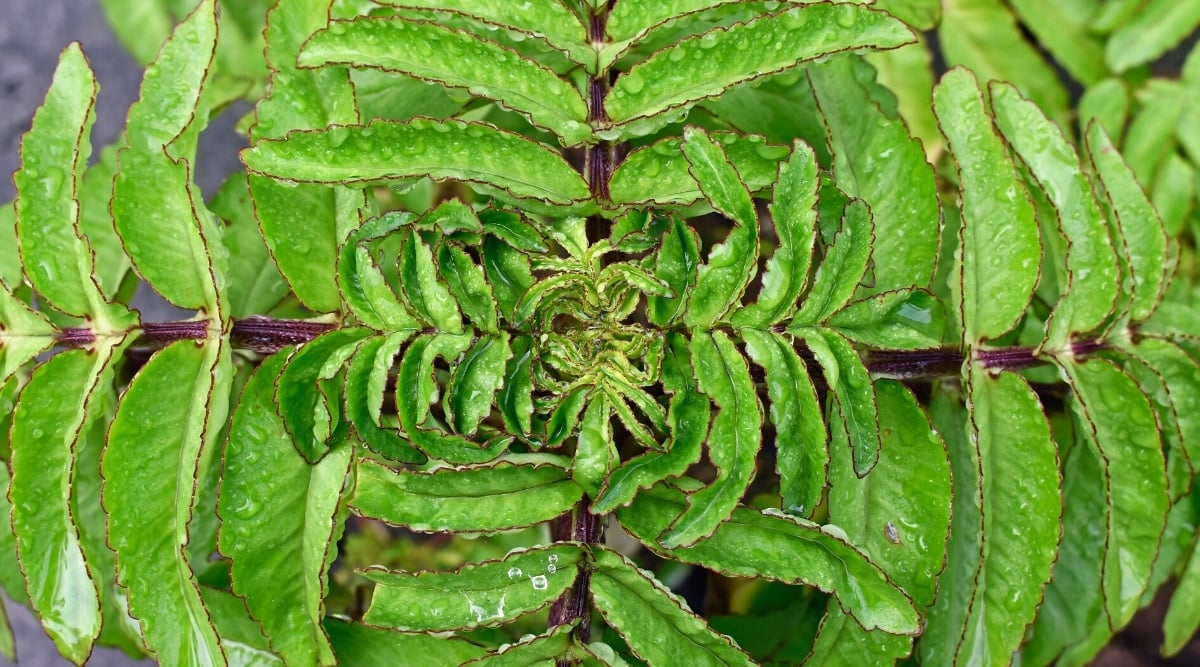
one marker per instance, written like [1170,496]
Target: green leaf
[507,495]
[1145,241]
[166,229]
[515,399]
[1155,28]
[851,384]
[477,595]
[780,108]
[364,286]
[1091,261]
[242,638]
[366,380]
[430,299]
[54,153]
[154,444]
[277,508]
[920,14]
[687,424]
[1183,614]
[844,266]
[721,281]
[708,64]
[657,625]
[999,252]
[530,651]
[499,162]
[801,458]
[476,379]
[1150,136]
[1062,29]
[1119,423]
[299,398]
[253,284]
[733,442]
[1106,102]
[793,211]
[509,274]
[655,174]
[675,264]
[459,60]
[629,20]
[1174,192]
[10,257]
[514,230]
[899,514]
[25,334]
[548,19]
[983,36]
[907,319]
[595,450]
[1179,372]
[908,73]
[469,287]
[775,546]
[875,159]
[565,416]
[50,413]
[356,644]
[8,645]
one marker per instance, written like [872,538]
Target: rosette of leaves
[495,266]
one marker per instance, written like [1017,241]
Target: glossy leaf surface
[854,391]
[655,174]
[483,499]
[357,644]
[546,18]
[843,268]
[477,595]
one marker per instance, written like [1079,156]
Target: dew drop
[514,573]
[539,582]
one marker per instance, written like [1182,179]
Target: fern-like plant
[495,338]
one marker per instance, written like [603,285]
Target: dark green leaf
[1120,424]
[500,163]
[595,451]
[468,286]
[1092,285]
[356,644]
[920,14]
[675,264]
[366,380]
[515,399]
[508,273]
[907,319]
[1179,373]
[843,268]
[851,384]
[482,594]
[1183,614]
[277,508]
[515,231]
[794,214]
[362,283]
[875,159]
[657,625]
[801,458]
[706,65]
[476,379]
[730,266]
[507,495]
[431,300]
[531,651]
[733,442]
[298,395]
[154,444]
[998,241]
[775,546]
[459,60]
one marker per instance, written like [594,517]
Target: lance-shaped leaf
[676,265]
[499,162]
[782,548]
[1183,614]
[708,64]
[1149,31]
[907,319]
[627,21]
[298,395]
[166,229]
[366,380]
[999,255]
[304,224]
[54,153]
[855,393]
[794,212]
[875,159]
[843,268]
[49,416]
[458,60]
[1141,229]
[658,625]
[499,497]
[801,458]
[477,595]
[513,230]
[733,442]
[253,284]
[730,267]
[430,299]
[595,450]
[515,399]
[548,19]
[1120,424]
[357,644]
[476,379]
[656,175]
[533,650]
[25,334]
[1091,260]
[1018,526]
[687,424]
[899,514]
[1178,372]
[278,522]
[565,416]
[467,283]
[149,469]
[363,284]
